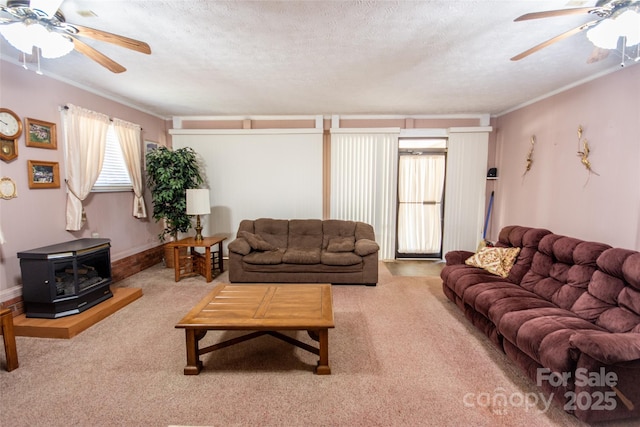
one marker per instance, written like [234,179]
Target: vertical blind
[465,190]
[363,181]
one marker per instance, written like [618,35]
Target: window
[114,175]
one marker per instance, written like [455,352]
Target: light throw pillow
[496,261]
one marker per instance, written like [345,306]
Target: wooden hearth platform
[70,326]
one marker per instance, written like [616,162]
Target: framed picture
[40,134]
[149,146]
[8,188]
[43,174]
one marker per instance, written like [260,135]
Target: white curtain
[363,181]
[129,137]
[420,191]
[86,135]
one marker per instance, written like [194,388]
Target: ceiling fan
[38,25]
[610,13]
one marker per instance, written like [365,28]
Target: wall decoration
[8,188]
[10,131]
[43,174]
[40,134]
[8,149]
[584,154]
[529,159]
[149,146]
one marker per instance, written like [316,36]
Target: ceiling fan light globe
[604,35]
[55,46]
[18,36]
[629,26]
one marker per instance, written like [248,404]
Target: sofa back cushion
[305,234]
[562,268]
[612,300]
[274,231]
[525,238]
[364,231]
[332,228]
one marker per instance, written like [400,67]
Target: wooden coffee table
[264,309]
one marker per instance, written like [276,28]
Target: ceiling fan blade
[104,36]
[597,54]
[100,58]
[555,39]
[559,12]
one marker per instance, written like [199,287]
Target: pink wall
[558,193]
[37,216]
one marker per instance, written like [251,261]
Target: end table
[195,262]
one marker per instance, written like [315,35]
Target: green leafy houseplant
[169,174]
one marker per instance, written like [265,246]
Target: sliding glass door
[420,204]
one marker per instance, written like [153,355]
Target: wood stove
[66,278]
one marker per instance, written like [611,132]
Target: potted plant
[169,174]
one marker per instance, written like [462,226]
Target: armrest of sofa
[240,246]
[457,257]
[608,347]
[366,247]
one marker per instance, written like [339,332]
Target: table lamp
[198,204]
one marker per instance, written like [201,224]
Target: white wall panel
[254,174]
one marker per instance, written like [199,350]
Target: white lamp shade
[198,201]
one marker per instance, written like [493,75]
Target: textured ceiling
[327,57]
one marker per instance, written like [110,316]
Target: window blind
[113,175]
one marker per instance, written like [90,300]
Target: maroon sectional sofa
[568,315]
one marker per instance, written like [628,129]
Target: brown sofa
[568,314]
[304,251]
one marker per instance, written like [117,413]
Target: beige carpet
[414,267]
[401,355]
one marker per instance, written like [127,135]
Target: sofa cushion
[497,261]
[256,241]
[341,244]
[312,270]
[525,238]
[305,234]
[366,247]
[610,301]
[463,277]
[302,256]
[274,231]
[337,228]
[562,268]
[545,337]
[607,347]
[340,258]
[240,246]
[264,257]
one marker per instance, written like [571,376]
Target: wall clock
[8,149]
[8,189]
[10,124]
[10,131]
